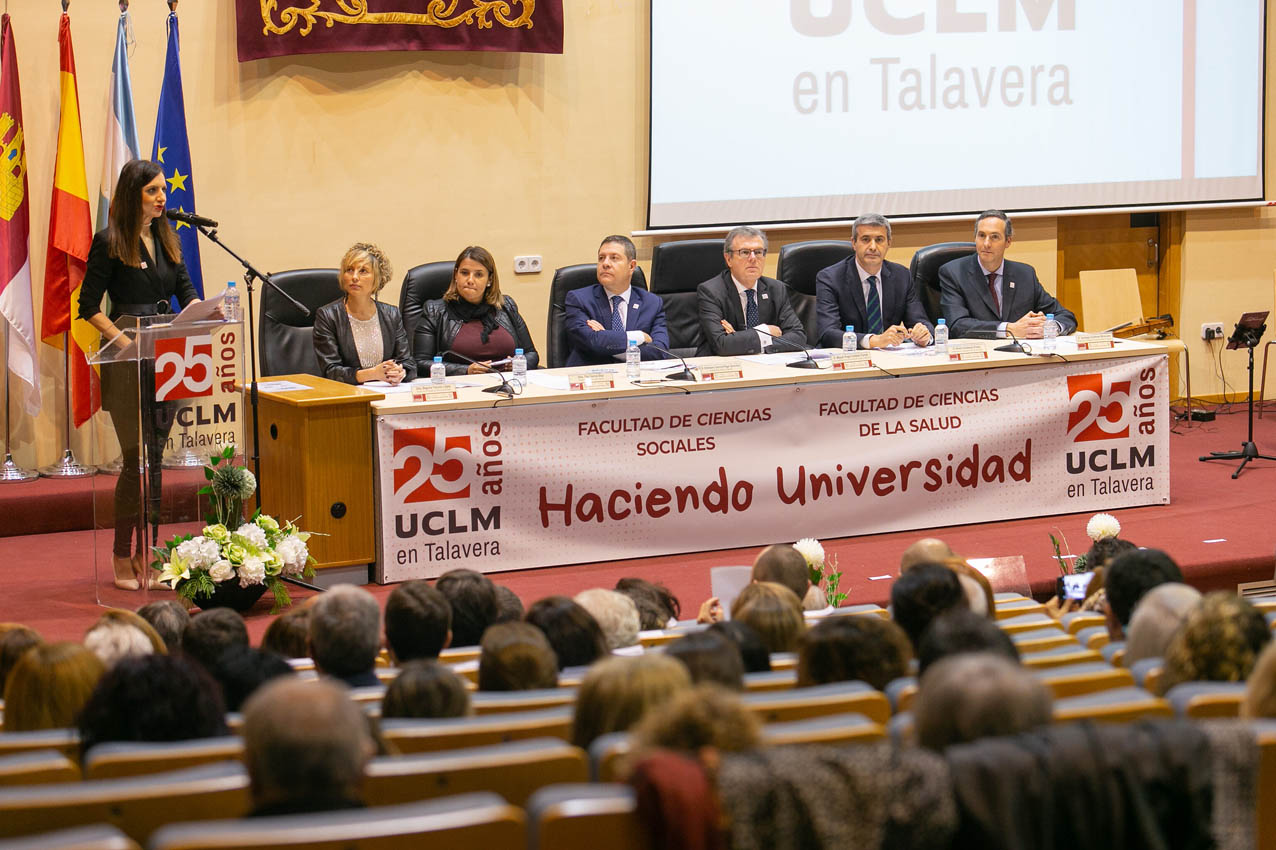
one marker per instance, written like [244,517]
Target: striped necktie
[874,305]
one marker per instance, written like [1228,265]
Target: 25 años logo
[183,368]
[430,469]
[1097,408]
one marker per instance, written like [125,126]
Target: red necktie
[992,289]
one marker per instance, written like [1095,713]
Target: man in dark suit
[602,319]
[985,294]
[876,297]
[740,310]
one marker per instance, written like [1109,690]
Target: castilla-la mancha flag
[15,228]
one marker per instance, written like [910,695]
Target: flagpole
[10,471]
[68,466]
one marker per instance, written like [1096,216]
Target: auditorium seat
[1265,732]
[117,759]
[830,729]
[450,733]
[502,702]
[797,267]
[455,655]
[514,770]
[1094,637]
[565,280]
[1059,656]
[924,270]
[784,661]
[770,680]
[1036,640]
[1028,622]
[1017,608]
[820,700]
[864,608]
[901,692]
[1075,621]
[285,336]
[426,282]
[1114,652]
[451,823]
[1071,680]
[677,268]
[606,756]
[1142,668]
[1118,705]
[584,817]
[37,767]
[1206,699]
[96,837]
[65,741]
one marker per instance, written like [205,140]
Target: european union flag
[172,151]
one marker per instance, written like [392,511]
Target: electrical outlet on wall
[1211,330]
[527,265]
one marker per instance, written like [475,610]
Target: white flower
[292,551]
[253,534]
[1102,526]
[221,570]
[198,552]
[252,571]
[812,551]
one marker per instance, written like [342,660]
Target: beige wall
[426,153]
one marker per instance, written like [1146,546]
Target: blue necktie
[874,305]
[751,309]
[616,323]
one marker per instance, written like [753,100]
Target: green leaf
[280,592]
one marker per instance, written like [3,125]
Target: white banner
[577,481]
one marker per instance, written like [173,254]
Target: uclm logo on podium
[430,468]
[183,368]
[1097,408]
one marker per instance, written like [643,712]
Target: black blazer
[334,341]
[839,301]
[719,300]
[127,285]
[438,327]
[968,305]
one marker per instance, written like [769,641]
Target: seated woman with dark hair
[358,338]
[473,319]
[516,657]
[844,649]
[153,698]
[425,689]
[572,631]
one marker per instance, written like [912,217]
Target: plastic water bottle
[438,372]
[519,367]
[633,361]
[1049,333]
[941,338]
[230,303]
[848,339]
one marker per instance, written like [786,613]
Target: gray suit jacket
[970,310]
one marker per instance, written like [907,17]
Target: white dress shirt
[764,339]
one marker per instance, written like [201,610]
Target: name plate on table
[432,392]
[961,350]
[727,370]
[850,361]
[1093,342]
[591,381]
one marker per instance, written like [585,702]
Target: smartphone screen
[1074,585]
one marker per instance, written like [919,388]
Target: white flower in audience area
[812,551]
[253,534]
[221,570]
[252,571]
[1102,526]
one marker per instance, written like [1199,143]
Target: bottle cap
[518,352]
[438,358]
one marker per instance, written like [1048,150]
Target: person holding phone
[358,338]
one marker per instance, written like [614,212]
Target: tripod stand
[1247,334]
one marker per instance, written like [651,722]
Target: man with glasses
[742,312]
[875,296]
[602,319]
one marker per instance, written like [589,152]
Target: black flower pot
[230,595]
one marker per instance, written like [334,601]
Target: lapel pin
[765,296]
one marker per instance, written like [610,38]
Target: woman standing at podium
[137,260]
[358,338]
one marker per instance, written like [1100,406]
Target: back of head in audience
[710,657]
[773,611]
[1260,690]
[516,657]
[288,635]
[753,651]
[700,718]
[928,550]
[816,599]
[921,594]
[958,631]
[574,635]
[212,632]
[305,746]
[121,634]
[48,686]
[615,613]
[978,590]
[977,695]
[473,599]
[1103,550]
[153,698]
[426,689]
[509,608]
[345,634]
[1156,618]
[618,691]
[14,641]
[241,670]
[784,565]
[1129,576]
[169,618]
[843,649]
[1219,641]
[418,621]
[657,606]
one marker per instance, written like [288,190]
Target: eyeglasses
[745,253]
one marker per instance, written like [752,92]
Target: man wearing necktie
[603,318]
[742,312]
[985,294]
[866,291]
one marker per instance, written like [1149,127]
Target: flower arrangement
[260,551]
[824,572]
[1100,527]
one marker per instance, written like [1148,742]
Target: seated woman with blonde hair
[358,338]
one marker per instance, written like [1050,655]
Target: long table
[613,470]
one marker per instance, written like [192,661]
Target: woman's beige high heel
[125,576]
[142,571]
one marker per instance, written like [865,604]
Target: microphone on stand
[808,363]
[685,375]
[189,218]
[505,388]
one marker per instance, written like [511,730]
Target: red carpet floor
[1219,530]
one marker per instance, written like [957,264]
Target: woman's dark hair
[656,603]
[509,608]
[923,593]
[753,652]
[516,657]
[960,631]
[484,258]
[574,635]
[125,220]
[426,689]
[710,657]
[153,698]
[241,670]
[848,648]
[13,642]
[473,599]
[288,635]
[1104,550]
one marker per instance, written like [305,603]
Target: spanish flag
[70,234]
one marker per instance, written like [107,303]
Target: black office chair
[422,283]
[565,280]
[677,268]
[798,265]
[925,271]
[285,337]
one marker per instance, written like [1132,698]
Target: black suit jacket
[128,285]
[968,305]
[839,301]
[334,342]
[719,300]
[438,326]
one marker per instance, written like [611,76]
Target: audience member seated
[122,634]
[418,622]
[845,649]
[473,599]
[1100,554]
[978,590]
[241,670]
[615,613]
[782,564]
[923,593]
[1156,618]
[960,631]
[516,657]
[169,618]
[14,641]
[658,608]
[358,338]
[288,635]
[1127,577]
[574,635]
[153,698]
[509,608]
[711,658]
[212,632]
[617,692]
[1260,692]
[928,550]
[1219,642]
[815,600]
[753,651]
[48,686]
[977,695]
[425,688]
[773,611]
[700,722]
[345,635]
[305,746]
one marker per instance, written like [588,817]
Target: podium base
[68,467]
[184,459]
[10,471]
